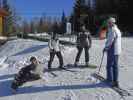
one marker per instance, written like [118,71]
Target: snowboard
[29,84]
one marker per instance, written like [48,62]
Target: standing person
[84,41]
[54,48]
[26,74]
[113,49]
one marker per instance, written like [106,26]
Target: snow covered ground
[77,84]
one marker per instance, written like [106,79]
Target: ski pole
[101,64]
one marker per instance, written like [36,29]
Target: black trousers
[20,79]
[80,49]
[59,55]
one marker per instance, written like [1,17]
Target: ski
[81,66]
[50,71]
[119,90]
[53,74]
[68,70]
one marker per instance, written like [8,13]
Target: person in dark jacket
[84,41]
[25,74]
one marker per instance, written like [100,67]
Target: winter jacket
[114,36]
[84,39]
[54,44]
[27,69]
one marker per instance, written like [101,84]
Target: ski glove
[105,49]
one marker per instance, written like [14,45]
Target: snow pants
[80,49]
[112,65]
[59,55]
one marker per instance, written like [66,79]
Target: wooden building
[3,14]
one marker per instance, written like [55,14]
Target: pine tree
[55,28]
[11,19]
[76,15]
[32,27]
[45,24]
[63,23]
[25,26]
[49,24]
[0,3]
[6,5]
[40,27]
[81,14]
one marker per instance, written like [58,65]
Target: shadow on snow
[6,76]
[31,49]
[5,89]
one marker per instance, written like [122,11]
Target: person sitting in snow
[26,74]
[54,48]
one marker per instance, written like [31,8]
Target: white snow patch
[2,59]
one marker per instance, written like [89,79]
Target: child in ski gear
[26,74]
[84,41]
[54,48]
[113,49]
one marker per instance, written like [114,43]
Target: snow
[3,38]
[68,85]
[2,59]
[69,39]
[41,35]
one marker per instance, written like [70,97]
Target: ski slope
[76,84]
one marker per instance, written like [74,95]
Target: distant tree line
[44,24]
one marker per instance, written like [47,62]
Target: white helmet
[111,20]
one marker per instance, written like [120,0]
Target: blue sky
[34,8]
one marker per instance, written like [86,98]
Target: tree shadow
[31,49]
[5,89]
[2,77]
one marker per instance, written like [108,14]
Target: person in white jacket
[54,48]
[113,49]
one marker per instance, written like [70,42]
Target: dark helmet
[54,36]
[32,58]
[83,28]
